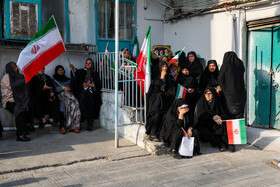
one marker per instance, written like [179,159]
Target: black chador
[231,81]
[170,89]
[207,78]
[157,105]
[43,100]
[89,96]
[191,84]
[195,67]
[209,129]
[172,132]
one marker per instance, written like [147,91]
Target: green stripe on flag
[178,91]
[50,25]
[242,131]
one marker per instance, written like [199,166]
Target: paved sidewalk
[50,148]
[249,166]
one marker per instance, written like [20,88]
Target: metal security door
[275,92]
[259,77]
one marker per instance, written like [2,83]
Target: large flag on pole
[136,51]
[236,131]
[144,63]
[176,56]
[43,48]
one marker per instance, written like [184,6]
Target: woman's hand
[72,67]
[67,89]
[182,111]
[218,119]
[218,89]
[189,132]
[162,75]
[45,87]
[190,90]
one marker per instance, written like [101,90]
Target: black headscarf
[231,80]
[171,117]
[183,61]
[60,78]
[19,88]
[186,81]
[209,79]
[195,67]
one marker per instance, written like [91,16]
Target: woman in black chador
[194,65]
[156,107]
[87,90]
[178,117]
[231,81]
[208,118]
[42,98]
[190,83]
[14,84]
[209,77]
[168,80]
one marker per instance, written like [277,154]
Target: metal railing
[128,85]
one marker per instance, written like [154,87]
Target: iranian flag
[236,131]
[181,92]
[107,49]
[144,64]
[176,56]
[43,48]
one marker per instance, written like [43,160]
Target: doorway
[264,77]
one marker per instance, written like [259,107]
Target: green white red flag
[181,92]
[144,64]
[176,57]
[107,49]
[236,131]
[43,48]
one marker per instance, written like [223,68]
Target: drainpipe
[232,20]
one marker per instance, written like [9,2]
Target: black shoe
[31,127]
[42,125]
[154,139]
[53,123]
[23,138]
[176,155]
[222,148]
[231,148]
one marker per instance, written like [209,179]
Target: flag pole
[116,70]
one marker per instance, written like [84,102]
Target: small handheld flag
[236,131]
[181,92]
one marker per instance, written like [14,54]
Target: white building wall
[81,21]
[210,35]
[152,16]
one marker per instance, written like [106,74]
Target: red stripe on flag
[230,132]
[140,61]
[172,60]
[140,75]
[184,93]
[42,60]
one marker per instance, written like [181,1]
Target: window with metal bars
[106,19]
